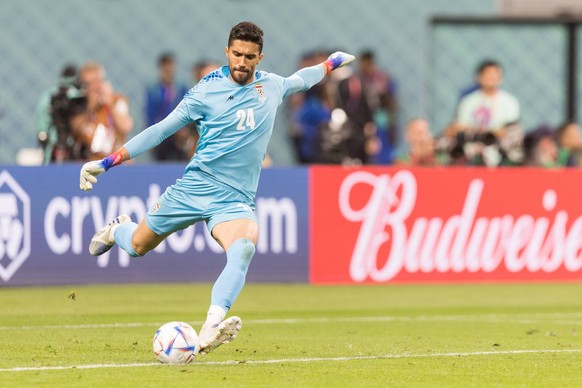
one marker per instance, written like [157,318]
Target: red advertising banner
[390,225]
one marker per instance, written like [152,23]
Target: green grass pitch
[298,336]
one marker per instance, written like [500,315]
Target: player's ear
[226,51]
[261,56]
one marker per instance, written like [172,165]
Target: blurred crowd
[350,118]
[85,118]
[353,118]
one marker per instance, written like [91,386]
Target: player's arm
[305,78]
[147,139]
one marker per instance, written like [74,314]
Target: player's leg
[169,214]
[135,239]
[238,238]
[228,232]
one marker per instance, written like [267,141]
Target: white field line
[299,360]
[560,319]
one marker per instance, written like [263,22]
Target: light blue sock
[123,234]
[232,279]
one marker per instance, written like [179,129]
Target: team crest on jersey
[260,91]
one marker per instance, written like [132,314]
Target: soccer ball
[176,343]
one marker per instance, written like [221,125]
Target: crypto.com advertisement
[388,225]
[46,223]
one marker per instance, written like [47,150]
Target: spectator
[108,120]
[202,68]
[353,98]
[488,116]
[381,96]
[162,97]
[541,149]
[309,112]
[420,143]
[569,139]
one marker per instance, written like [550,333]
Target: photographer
[107,120]
[58,112]
[486,128]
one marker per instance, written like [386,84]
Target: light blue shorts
[196,197]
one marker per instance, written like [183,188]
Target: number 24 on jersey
[246,119]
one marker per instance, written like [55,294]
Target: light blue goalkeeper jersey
[235,123]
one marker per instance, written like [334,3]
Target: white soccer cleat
[104,239]
[218,334]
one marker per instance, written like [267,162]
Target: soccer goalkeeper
[234,110]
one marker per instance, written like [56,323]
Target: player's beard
[241,77]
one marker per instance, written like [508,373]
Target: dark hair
[488,63]
[69,70]
[165,58]
[531,139]
[367,55]
[248,32]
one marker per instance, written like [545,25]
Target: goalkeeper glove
[337,59]
[91,170]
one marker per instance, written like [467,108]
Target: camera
[478,149]
[66,103]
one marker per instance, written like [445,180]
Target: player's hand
[89,173]
[91,170]
[338,59]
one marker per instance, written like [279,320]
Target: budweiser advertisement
[390,225]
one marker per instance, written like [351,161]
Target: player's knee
[142,243]
[248,250]
[242,249]
[138,248]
